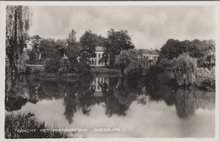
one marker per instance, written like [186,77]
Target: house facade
[148,57]
[95,61]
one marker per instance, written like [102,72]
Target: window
[99,55]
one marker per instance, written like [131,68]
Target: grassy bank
[70,76]
[105,71]
[26,126]
[53,76]
[40,72]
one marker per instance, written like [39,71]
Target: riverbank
[54,76]
[102,71]
[27,126]
[97,71]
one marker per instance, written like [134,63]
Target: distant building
[95,61]
[148,57]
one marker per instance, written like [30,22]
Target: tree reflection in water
[186,101]
[114,94]
[18,94]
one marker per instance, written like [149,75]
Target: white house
[95,61]
[149,57]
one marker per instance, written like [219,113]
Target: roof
[146,51]
[99,48]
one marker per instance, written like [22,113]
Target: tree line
[50,51]
[187,63]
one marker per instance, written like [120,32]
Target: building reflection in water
[115,94]
[98,84]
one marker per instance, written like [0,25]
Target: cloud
[149,26]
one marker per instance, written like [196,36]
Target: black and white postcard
[138,71]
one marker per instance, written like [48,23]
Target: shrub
[208,85]
[27,122]
[205,79]
[152,75]
[133,71]
[52,65]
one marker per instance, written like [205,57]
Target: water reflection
[116,95]
[186,101]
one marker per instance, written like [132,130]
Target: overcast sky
[148,26]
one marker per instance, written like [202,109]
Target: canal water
[114,107]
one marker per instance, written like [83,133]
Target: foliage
[35,53]
[71,40]
[84,70]
[116,42]
[207,61]
[165,63]
[50,49]
[17,25]
[208,85]
[52,65]
[88,42]
[151,77]
[203,51]
[71,53]
[22,62]
[205,79]
[73,48]
[32,56]
[171,49]
[185,70]
[123,60]
[15,124]
[133,71]
[64,66]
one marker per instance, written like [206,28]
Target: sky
[149,26]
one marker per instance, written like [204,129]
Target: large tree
[88,42]
[203,51]
[17,25]
[72,51]
[124,59]
[117,41]
[34,53]
[185,69]
[50,49]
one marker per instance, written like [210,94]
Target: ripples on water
[112,102]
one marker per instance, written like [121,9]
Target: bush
[67,67]
[84,69]
[207,85]
[133,71]
[152,75]
[52,65]
[205,79]
[15,123]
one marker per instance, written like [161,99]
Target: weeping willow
[17,25]
[184,70]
